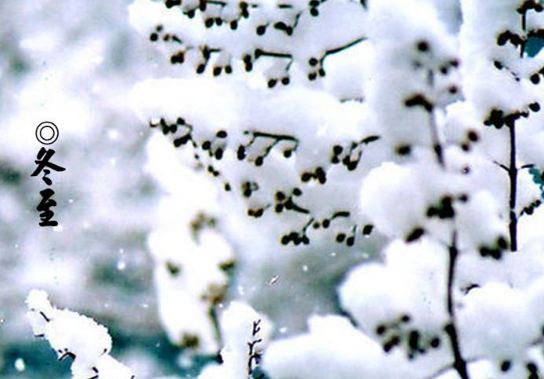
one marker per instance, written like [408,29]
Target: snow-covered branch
[72,335]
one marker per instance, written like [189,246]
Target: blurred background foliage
[73,63]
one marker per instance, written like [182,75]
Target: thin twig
[459,363]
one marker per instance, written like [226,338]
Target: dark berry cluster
[498,118]
[398,333]
[443,210]
[472,137]
[261,144]
[218,13]
[350,155]
[297,237]
[495,251]
[528,210]
[318,174]
[415,234]
[284,201]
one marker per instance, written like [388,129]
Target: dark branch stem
[435,139]
[459,363]
[297,208]
[215,323]
[286,55]
[512,169]
[278,137]
[524,28]
[441,371]
[513,176]
[273,54]
[344,47]
[505,168]
[437,146]
[445,369]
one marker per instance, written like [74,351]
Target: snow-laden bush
[360,166]
[73,335]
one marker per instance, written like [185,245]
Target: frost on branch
[497,66]
[296,132]
[410,286]
[418,155]
[75,336]
[205,35]
[308,135]
[333,348]
[288,205]
[245,334]
[434,196]
[191,257]
[410,41]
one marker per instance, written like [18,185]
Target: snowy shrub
[358,175]
[73,335]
